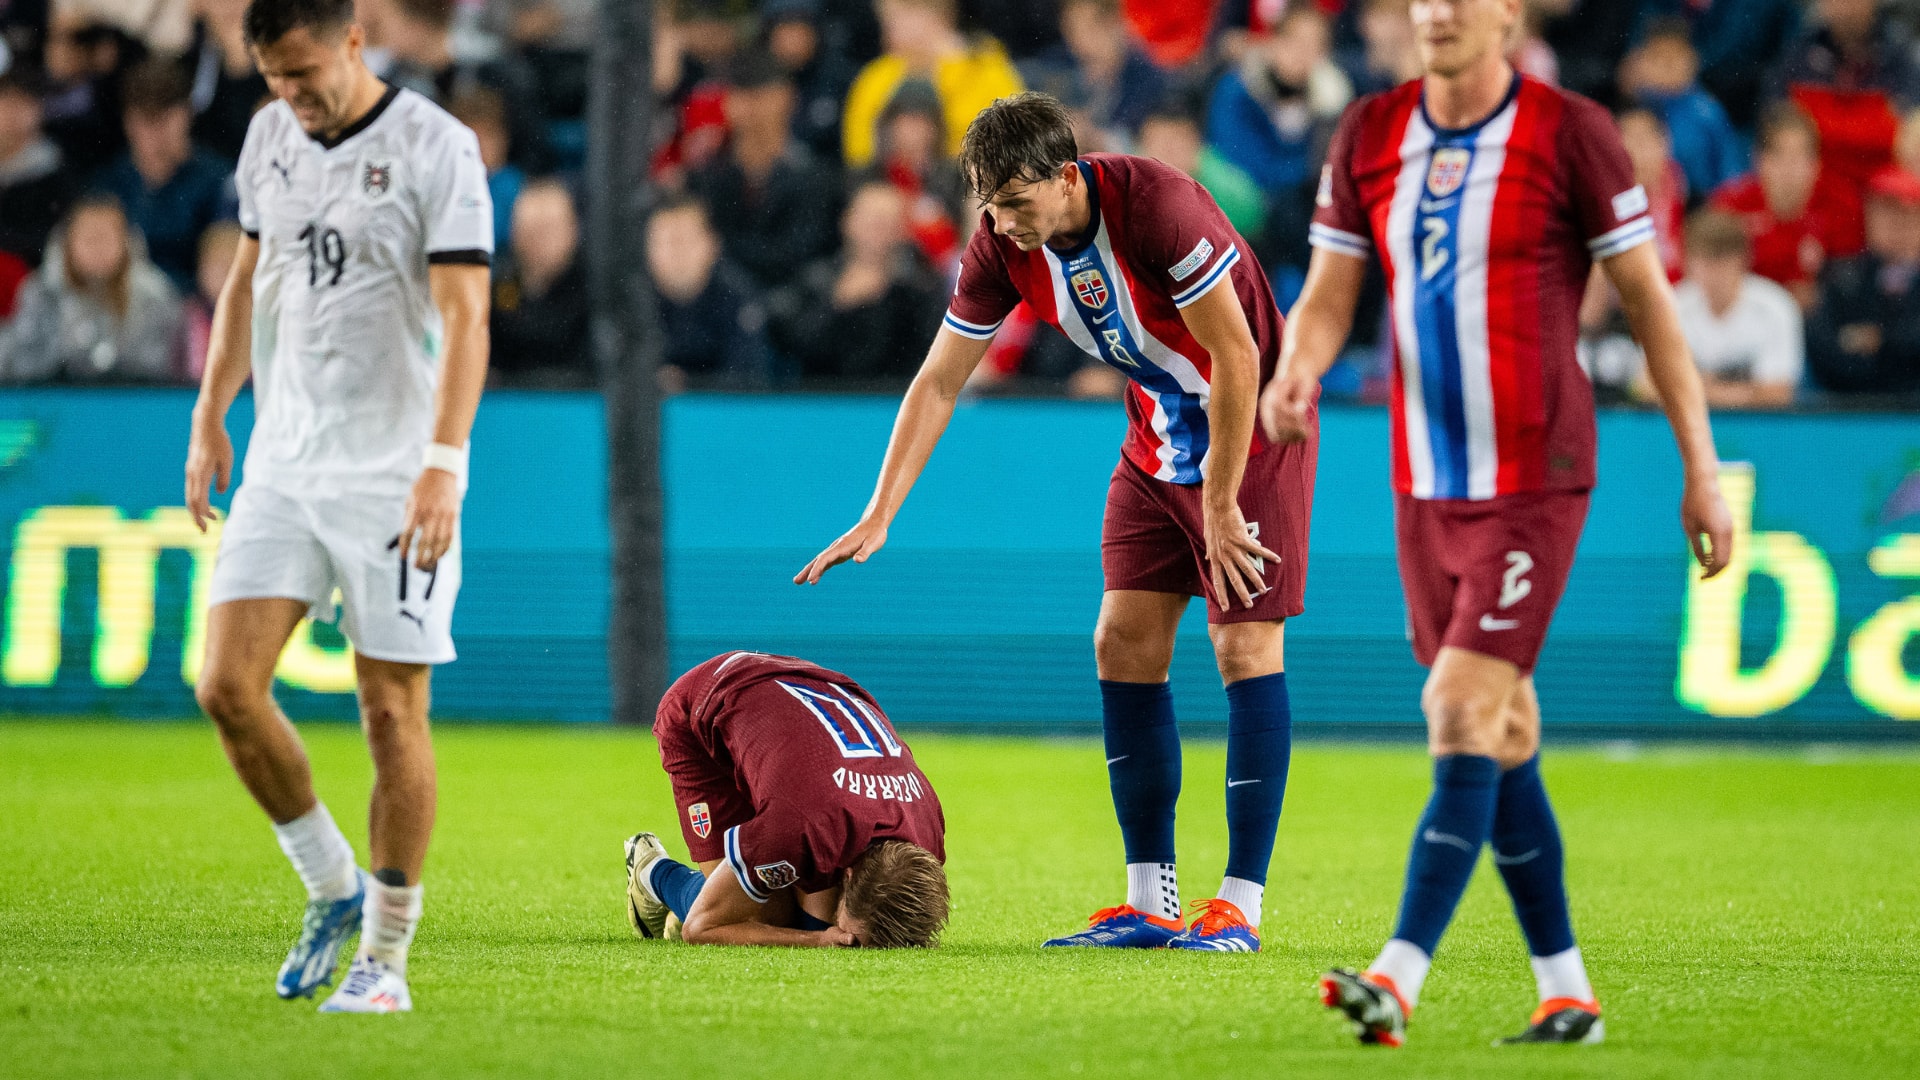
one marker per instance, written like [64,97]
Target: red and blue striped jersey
[1487,235]
[1158,243]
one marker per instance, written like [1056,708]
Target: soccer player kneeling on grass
[793,777]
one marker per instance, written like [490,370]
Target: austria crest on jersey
[1448,171]
[701,819]
[376,178]
[1090,286]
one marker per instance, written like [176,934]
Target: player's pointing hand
[858,543]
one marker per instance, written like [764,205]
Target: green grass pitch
[1744,915]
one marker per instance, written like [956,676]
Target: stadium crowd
[810,217]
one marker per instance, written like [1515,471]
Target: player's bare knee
[1131,652]
[229,702]
[1462,722]
[1247,650]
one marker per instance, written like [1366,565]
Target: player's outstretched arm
[1316,331]
[724,914]
[1220,326]
[922,420]
[229,362]
[463,294]
[1648,302]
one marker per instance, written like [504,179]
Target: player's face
[1454,35]
[851,925]
[313,73]
[1031,214]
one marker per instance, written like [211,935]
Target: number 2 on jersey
[326,251]
[1433,257]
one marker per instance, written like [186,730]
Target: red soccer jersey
[1832,226]
[826,773]
[1487,235]
[1158,243]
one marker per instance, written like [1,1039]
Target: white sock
[320,854]
[1562,975]
[388,921]
[1244,895]
[1154,888]
[1406,965]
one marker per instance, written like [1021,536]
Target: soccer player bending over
[358,305]
[1488,196]
[793,777]
[1136,264]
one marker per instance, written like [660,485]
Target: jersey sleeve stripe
[1326,236]
[463,257]
[1625,238]
[976,331]
[740,867]
[1214,277]
[251,234]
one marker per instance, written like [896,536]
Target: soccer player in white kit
[358,304]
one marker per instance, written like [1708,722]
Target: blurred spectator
[1590,37]
[1102,69]
[555,38]
[483,111]
[1173,136]
[1272,116]
[870,310]
[165,26]
[1864,335]
[1853,74]
[34,185]
[1386,54]
[711,319]
[820,68]
[14,273]
[96,309]
[773,203]
[171,190]
[1737,41]
[418,33]
[1174,32]
[1661,74]
[1797,214]
[1529,52]
[540,301]
[1906,144]
[1651,152]
[694,42]
[912,156]
[1025,27]
[226,88]
[922,43]
[217,248]
[83,63]
[1745,331]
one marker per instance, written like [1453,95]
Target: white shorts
[276,545]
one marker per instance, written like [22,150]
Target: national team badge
[1091,288]
[777,875]
[700,819]
[1448,171]
[376,178]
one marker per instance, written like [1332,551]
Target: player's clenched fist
[858,543]
[433,512]
[209,465]
[1286,405]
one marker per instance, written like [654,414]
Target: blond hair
[898,891]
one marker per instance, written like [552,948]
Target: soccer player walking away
[1488,196]
[1135,263]
[358,304]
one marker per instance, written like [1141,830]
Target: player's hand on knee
[1236,560]
[1284,407]
[433,513]
[858,544]
[209,465]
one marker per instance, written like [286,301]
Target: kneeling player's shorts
[1485,575]
[303,548]
[1154,538]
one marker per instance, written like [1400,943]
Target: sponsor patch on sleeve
[1324,197]
[1630,203]
[1195,259]
[777,875]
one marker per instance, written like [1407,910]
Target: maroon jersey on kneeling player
[812,759]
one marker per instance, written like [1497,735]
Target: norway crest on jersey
[1448,171]
[701,819]
[1090,287]
[376,178]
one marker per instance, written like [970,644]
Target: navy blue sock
[1526,848]
[808,922]
[1143,765]
[1447,845]
[1259,745]
[677,885]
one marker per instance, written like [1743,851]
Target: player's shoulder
[1371,111]
[1580,115]
[421,121]
[1135,180]
[272,122]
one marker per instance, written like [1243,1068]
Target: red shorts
[705,788]
[1153,539]
[1486,575]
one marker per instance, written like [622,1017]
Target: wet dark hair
[267,21]
[1026,137]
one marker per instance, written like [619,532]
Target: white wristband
[446,458]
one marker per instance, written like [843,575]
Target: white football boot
[370,987]
[646,913]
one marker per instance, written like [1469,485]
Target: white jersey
[346,337]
